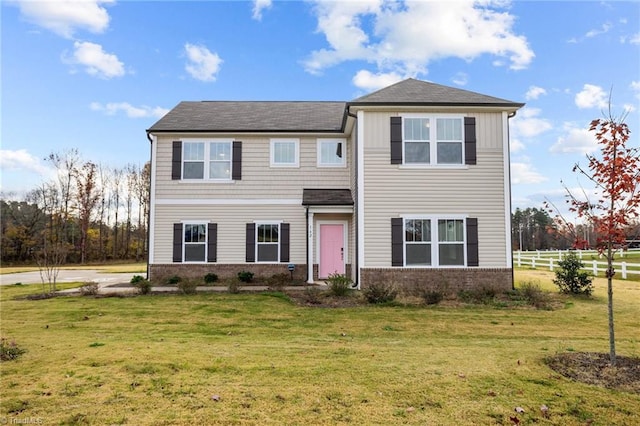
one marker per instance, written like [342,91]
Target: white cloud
[370,82]
[635,86]
[534,92]
[461,79]
[64,17]
[144,111]
[21,160]
[591,96]
[602,30]
[96,61]
[528,124]
[258,7]
[575,140]
[203,64]
[406,37]
[516,145]
[525,173]
[635,39]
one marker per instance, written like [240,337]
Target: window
[331,152]
[268,242]
[285,152]
[427,245]
[217,165]
[195,242]
[432,140]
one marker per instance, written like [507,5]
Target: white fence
[549,260]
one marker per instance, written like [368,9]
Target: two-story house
[407,184]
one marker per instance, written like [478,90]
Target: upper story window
[285,152]
[207,160]
[432,139]
[331,153]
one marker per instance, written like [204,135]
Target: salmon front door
[331,249]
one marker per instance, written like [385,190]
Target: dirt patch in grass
[595,369]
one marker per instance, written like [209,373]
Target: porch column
[310,245]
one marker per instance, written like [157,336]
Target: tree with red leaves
[616,176]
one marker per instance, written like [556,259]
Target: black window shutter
[472,242]
[284,242]
[236,167]
[470,140]
[397,245]
[212,242]
[177,242]
[251,242]
[176,161]
[396,140]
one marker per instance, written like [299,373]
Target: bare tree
[87,198]
[116,192]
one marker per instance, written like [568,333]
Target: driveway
[70,275]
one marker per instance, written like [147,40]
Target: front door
[331,249]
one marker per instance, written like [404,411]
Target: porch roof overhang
[328,200]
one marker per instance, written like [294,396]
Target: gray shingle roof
[239,116]
[327,197]
[417,92]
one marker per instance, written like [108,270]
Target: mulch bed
[595,369]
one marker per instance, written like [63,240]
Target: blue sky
[94,74]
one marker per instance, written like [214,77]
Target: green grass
[107,268]
[259,359]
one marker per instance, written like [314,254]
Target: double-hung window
[434,242]
[207,160]
[433,139]
[331,153]
[195,242]
[285,153]
[268,242]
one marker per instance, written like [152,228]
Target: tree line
[88,212]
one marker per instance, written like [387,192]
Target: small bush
[312,294]
[482,295]
[380,292]
[210,278]
[136,279]
[339,284]
[534,295]
[174,280]
[432,297]
[9,350]
[143,286]
[233,285]
[188,286]
[89,289]
[278,281]
[245,276]
[569,278]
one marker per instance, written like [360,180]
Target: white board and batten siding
[392,190]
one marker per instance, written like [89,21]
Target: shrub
[136,279]
[312,294]
[89,289]
[569,278]
[143,286]
[483,295]
[278,281]
[245,276]
[210,278]
[174,279]
[233,285]
[188,286]
[533,294]
[339,284]
[432,297]
[9,350]
[380,292]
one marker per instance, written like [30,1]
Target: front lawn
[260,359]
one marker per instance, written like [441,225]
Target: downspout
[513,276]
[149,198]
[357,236]
[306,215]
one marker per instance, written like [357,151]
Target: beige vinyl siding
[231,222]
[259,180]
[393,190]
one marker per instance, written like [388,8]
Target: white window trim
[435,254]
[433,143]
[207,154]
[255,238]
[206,240]
[319,143]
[272,153]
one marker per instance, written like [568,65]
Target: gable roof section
[250,116]
[417,92]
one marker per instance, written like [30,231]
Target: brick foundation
[449,280]
[160,273]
